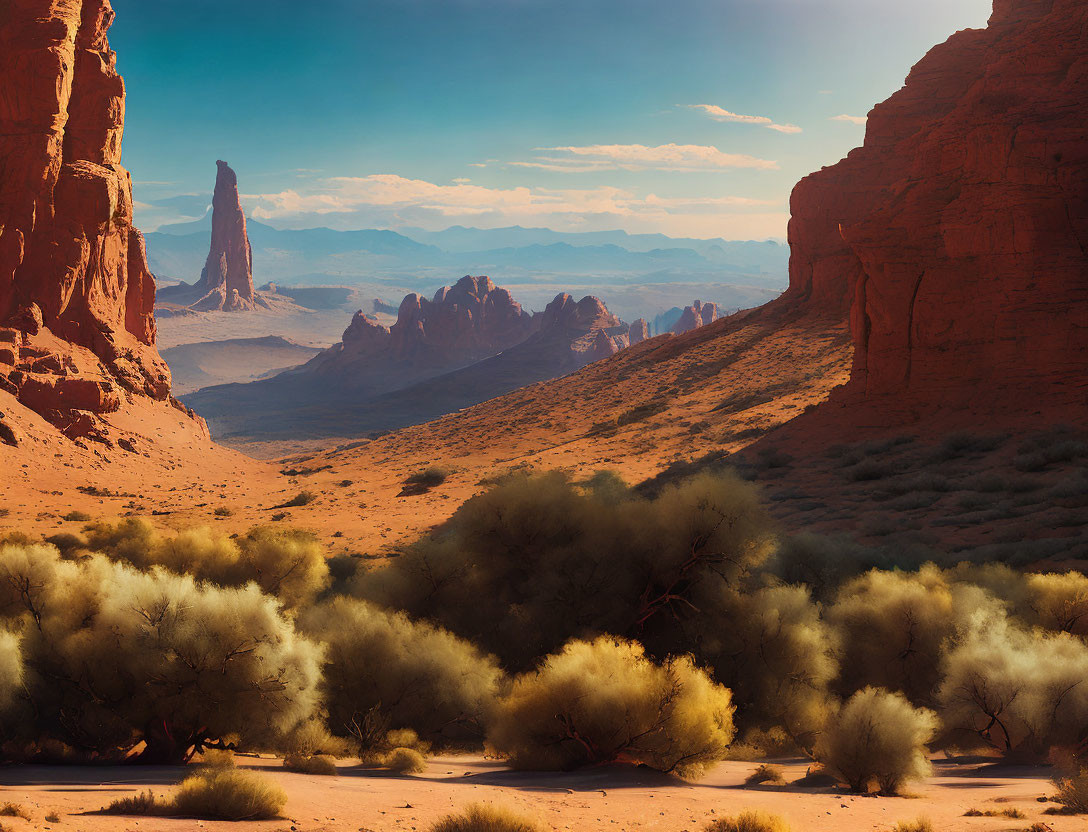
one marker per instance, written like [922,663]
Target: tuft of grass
[481,817]
[1073,793]
[303,498]
[217,793]
[765,773]
[223,511]
[405,761]
[919,825]
[994,813]
[76,517]
[751,821]
[310,764]
[14,810]
[52,817]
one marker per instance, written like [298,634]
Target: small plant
[314,764]
[480,817]
[223,511]
[144,803]
[919,825]
[303,498]
[76,517]
[749,822]
[52,817]
[1073,793]
[765,773]
[994,813]
[228,794]
[424,481]
[14,810]
[405,761]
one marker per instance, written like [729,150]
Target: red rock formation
[694,316]
[462,324]
[638,332]
[227,279]
[573,334]
[957,237]
[76,325]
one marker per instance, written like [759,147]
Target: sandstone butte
[226,283]
[697,315]
[956,238]
[77,330]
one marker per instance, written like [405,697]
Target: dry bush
[878,737]
[553,560]
[312,738]
[751,821]
[287,563]
[11,666]
[994,813]
[604,701]
[918,825]
[824,563]
[405,761]
[115,656]
[893,626]
[311,764]
[1073,793]
[1018,691]
[385,671]
[14,810]
[228,794]
[482,817]
[144,803]
[772,649]
[765,773]
[1057,602]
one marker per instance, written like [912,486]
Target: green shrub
[604,701]
[750,821]
[481,817]
[878,737]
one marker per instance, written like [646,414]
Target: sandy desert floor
[360,800]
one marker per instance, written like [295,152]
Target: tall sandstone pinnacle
[227,279]
[77,330]
[956,238]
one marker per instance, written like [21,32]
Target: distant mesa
[469,342]
[697,315]
[77,330]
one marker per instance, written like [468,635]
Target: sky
[692,118]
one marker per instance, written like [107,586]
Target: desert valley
[516,529]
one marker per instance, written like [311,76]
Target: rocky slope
[77,331]
[957,237]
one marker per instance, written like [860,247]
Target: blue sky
[688,117]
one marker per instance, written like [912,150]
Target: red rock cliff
[957,237]
[77,331]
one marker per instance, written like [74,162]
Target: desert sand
[618,799]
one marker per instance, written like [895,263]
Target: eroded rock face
[957,237]
[638,332]
[697,315]
[76,296]
[575,333]
[462,324]
[226,283]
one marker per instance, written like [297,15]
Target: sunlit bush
[480,817]
[878,737]
[604,701]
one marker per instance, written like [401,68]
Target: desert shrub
[228,794]
[765,773]
[772,649]
[313,764]
[303,498]
[824,563]
[878,737]
[287,563]
[1010,812]
[1057,602]
[750,821]
[424,481]
[1073,792]
[917,825]
[1018,691]
[11,666]
[114,656]
[481,817]
[553,560]
[144,803]
[405,761]
[76,517]
[385,671]
[311,738]
[14,810]
[604,701]
[893,625]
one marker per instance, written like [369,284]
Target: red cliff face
[573,334]
[77,331]
[697,315]
[227,279]
[957,238]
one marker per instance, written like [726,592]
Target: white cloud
[461,180]
[388,200]
[719,114]
[851,119]
[477,164]
[638,157]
